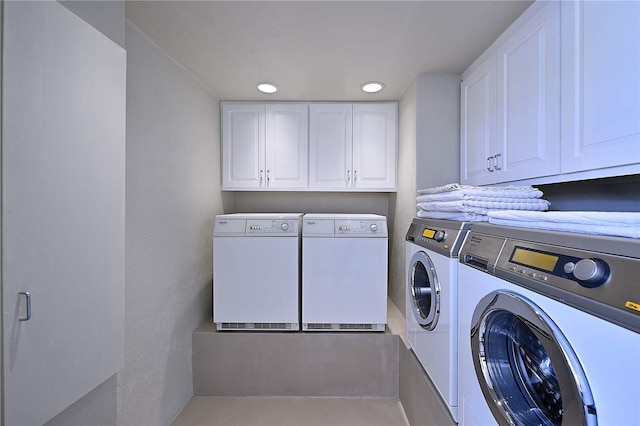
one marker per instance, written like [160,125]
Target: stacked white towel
[473,203]
[621,224]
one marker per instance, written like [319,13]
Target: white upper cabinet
[264,146]
[528,102]
[243,138]
[375,137]
[287,146]
[309,147]
[600,85]
[330,141]
[478,124]
[510,102]
[353,146]
[567,97]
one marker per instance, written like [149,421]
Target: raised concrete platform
[294,364]
[323,364]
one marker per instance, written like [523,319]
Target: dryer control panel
[360,228]
[274,227]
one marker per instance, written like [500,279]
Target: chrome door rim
[574,390]
[417,291]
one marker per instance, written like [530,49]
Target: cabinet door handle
[355,175]
[261,178]
[348,175]
[28,300]
[268,177]
[489,168]
[495,162]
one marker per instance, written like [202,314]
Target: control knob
[373,227]
[284,226]
[440,235]
[589,270]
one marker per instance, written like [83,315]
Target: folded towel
[622,224]
[444,188]
[482,207]
[459,216]
[464,194]
[511,191]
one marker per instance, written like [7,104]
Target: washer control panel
[535,262]
[438,236]
[594,273]
[600,283]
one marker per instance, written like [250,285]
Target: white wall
[172,195]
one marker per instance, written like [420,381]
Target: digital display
[428,233]
[535,259]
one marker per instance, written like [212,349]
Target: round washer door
[526,368]
[424,290]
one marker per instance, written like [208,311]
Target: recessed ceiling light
[372,87]
[267,87]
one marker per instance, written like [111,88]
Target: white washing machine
[432,248]
[549,328]
[344,272]
[256,271]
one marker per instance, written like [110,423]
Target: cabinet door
[63,183]
[374,145]
[330,146]
[243,146]
[601,88]
[287,146]
[528,99]
[478,124]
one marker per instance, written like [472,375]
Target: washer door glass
[424,288]
[527,370]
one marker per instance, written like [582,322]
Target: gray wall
[438,130]
[620,194]
[105,16]
[429,155]
[403,203]
[311,202]
[172,195]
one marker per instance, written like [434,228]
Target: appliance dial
[589,270]
[284,226]
[373,227]
[440,236]
[569,267]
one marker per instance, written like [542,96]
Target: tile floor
[292,411]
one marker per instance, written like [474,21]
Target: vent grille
[343,327]
[320,326]
[255,326]
[356,327]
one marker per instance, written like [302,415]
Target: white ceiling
[321,50]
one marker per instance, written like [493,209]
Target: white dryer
[549,327]
[432,248]
[256,271]
[344,272]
